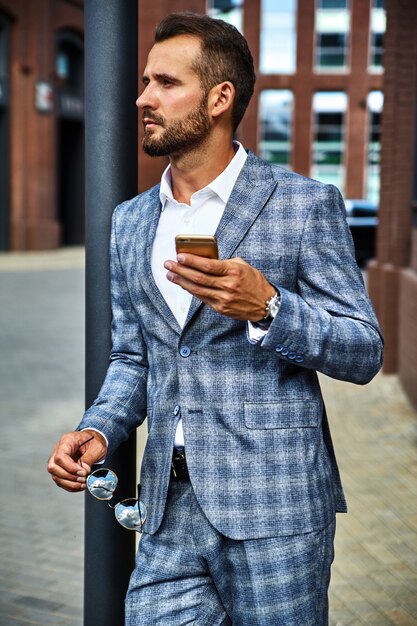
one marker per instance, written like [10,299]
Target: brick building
[393,275]
[41,124]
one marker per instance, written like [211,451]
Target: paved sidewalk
[41,396]
[374,578]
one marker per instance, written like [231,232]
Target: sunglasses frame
[116,507]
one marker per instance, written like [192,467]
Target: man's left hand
[232,287]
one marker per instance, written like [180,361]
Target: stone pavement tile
[64,258]
[344,617]
[364,610]
[404,598]
[375,618]
[39,617]
[399,617]
[12,620]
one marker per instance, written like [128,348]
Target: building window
[230,11]
[329,109]
[332,35]
[378,26]
[275,126]
[375,106]
[278,36]
[62,65]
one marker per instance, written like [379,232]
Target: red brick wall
[393,276]
[407,339]
[33,135]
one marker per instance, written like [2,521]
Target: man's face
[173,103]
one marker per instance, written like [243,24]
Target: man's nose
[145,100]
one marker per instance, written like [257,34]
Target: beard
[179,136]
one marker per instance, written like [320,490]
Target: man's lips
[150,123]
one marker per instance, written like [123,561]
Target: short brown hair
[225,55]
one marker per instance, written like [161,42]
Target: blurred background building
[335,99]
[41,124]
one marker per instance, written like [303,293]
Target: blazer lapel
[252,190]
[146,229]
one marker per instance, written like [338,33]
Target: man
[222,355]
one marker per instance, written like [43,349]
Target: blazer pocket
[289,414]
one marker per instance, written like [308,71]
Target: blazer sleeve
[121,403]
[329,324]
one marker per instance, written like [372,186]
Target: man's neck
[196,169]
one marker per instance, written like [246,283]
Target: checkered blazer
[258,445]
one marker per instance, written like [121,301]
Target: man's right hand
[72,458]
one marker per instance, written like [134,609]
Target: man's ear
[221,98]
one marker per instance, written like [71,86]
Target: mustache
[152,116]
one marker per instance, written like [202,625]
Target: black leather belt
[179,469]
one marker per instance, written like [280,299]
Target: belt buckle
[179,465]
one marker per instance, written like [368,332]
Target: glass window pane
[375,106]
[331,49]
[378,27]
[278,36]
[332,35]
[230,11]
[332,4]
[275,126]
[329,109]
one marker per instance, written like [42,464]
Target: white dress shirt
[200,217]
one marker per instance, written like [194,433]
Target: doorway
[70,137]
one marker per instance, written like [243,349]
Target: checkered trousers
[189,573]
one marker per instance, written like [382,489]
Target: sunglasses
[130,513]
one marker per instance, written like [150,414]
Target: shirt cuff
[255,333]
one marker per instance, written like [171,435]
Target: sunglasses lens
[127,514]
[102,484]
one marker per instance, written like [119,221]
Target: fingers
[69,482]
[203,273]
[68,466]
[201,264]
[232,287]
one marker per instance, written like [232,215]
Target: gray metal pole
[111,64]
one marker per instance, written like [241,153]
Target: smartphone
[201,245]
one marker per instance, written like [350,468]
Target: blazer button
[177,410]
[292,355]
[299,359]
[185,351]
[278,348]
[284,352]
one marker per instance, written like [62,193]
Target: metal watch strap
[271,308]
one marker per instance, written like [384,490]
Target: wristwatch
[271,308]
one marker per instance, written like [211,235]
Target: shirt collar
[222,186]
